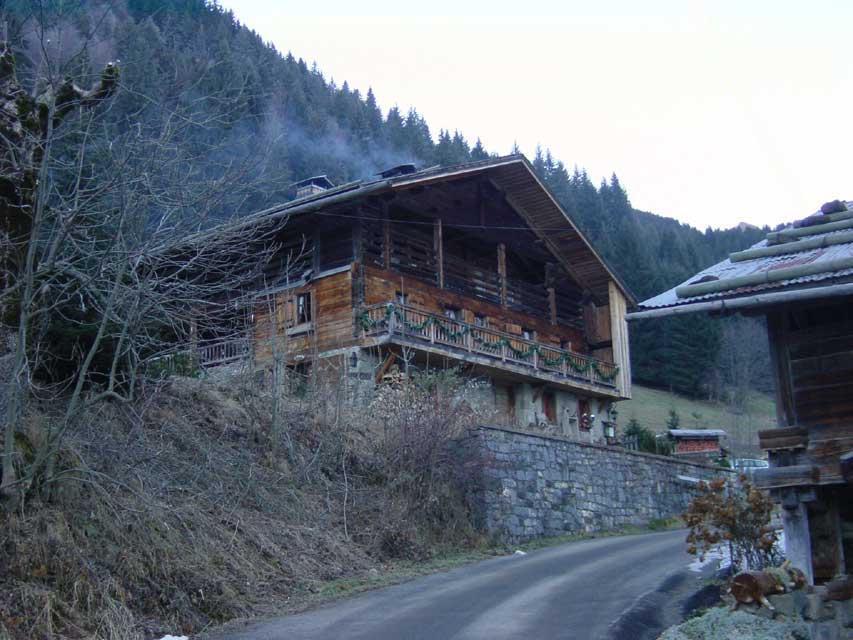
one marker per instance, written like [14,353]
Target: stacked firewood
[754,586]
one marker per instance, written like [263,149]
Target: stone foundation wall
[533,486]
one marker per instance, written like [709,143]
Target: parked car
[749,465]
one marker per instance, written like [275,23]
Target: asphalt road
[618,588]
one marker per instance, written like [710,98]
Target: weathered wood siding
[813,355]
[331,326]
[619,338]
[333,317]
[382,286]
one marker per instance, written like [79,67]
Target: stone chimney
[312,186]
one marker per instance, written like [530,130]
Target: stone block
[814,608]
[825,631]
[788,604]
[844,613]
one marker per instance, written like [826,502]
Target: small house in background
[800,280]
[699,445]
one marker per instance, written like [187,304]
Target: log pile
[751,587]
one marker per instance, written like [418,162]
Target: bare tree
[105,260]
[743,359]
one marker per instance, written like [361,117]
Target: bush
[732,512]
[646,440]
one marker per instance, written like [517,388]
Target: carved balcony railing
[409,322]
[215,352]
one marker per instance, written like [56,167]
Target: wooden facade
[447,265]
[799,279]
[812,352]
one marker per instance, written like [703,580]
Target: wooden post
[438,241]
[552,304]
[392,323]
[386,243]
[502,272]
[357,235]
[194,353]
[386,235]
[798,548]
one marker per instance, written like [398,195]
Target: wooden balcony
[224,351]
[402,324]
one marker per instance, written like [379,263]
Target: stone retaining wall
[531,486]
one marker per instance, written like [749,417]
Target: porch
[480,345]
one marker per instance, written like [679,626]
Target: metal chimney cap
[399,170]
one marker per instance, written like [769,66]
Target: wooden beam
[798,547]
[315,253]
[552,304]
[481,192]
[386,236]
[438,240]
[502,272]
[552,247]
[780,363]
[792,476]
[783,438]
[826,537]
[357,234]
[386,364]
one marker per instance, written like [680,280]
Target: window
[401,297]
[481,320]
[528,334]
[566,345]
[585,416]
[303,308]
[549,406]
[452,313]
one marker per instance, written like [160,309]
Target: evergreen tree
[307,125]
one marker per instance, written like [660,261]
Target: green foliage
[673,420]
[285,111]
[646,439]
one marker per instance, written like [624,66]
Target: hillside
[651,409]
[280,120]
[189,508]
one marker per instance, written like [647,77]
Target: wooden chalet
[801,280]
[474,266]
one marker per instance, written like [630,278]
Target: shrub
[735,513]
[646,440]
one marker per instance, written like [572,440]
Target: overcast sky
[712,112]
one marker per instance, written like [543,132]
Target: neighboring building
[801,280]
[475,266]
[699,445]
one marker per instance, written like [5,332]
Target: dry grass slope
[180,513]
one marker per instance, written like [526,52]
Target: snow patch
[174,638]
[519,552]
[719,554]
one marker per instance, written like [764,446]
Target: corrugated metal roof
[697,433]
[727,270]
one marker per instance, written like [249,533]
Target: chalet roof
[810,258]
[515,177]
[697,433]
